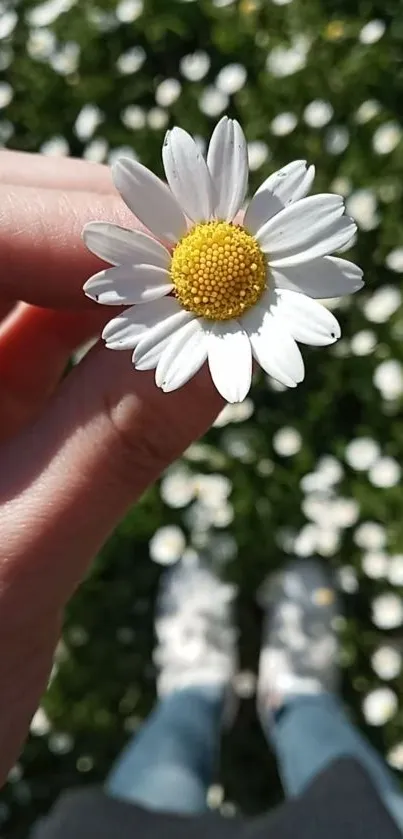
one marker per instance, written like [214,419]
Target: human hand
[74,454]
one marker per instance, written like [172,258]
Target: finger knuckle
[142,448]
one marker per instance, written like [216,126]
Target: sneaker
[299,646]
[196,638]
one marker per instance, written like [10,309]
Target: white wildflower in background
[61,743]
[372,31]
[131,61]
[41,44]
[217,290]
[363,343]
[231,78]
[195,66]
[328,472]
[8,22]
[239,412]
[344,512]
[379,706]
[318,113]
[128,11]
[40,723]
[337,139]
[283,124]
[387,137]
[368,109]
[382,304]
[387,611]
[342,185]
[258,153]
[387,662]
[168,91]
[96,150]
[362,453]
[285,61]
[87,121]
[134,117]
[66,58]
[388,378]
[394,260]
[395,757]
[6,94]
[213,490]
[157,118]
[287,441]
[46,13]
[370,535]
[177,487]
[55,147]
[362,205]
[395,570]
[386,472]
[213,101]
[375,564]
[347,577]
[167,545]
[314,539]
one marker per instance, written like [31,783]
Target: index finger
[69,173]
[44,260]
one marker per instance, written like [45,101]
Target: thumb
[65,483]
[106,436]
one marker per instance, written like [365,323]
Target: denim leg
[170,763]
[310,732]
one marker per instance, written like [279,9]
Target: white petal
[306,320]
[349,243]
[273,346]
[147,358]
[283,187]
[119,246]
[301,188]
[123,332]
[128,284]
[296,183]
[290,183]
[182,358]
[155,337]
[262,208]
[149,199]
[298,222]
[187,175]
[275,181]
[227,160]
[325,277]
[305,230]
[230,360]
[335,240]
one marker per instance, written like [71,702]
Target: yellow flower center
[218,270]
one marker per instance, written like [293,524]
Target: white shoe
[299,646]
[194,628]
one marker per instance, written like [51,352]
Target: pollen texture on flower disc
[218,270]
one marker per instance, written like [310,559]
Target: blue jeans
[170,764]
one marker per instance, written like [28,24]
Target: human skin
[76,452]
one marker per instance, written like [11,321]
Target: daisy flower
[201,286]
